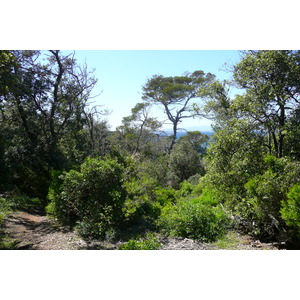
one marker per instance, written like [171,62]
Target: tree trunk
[175,124]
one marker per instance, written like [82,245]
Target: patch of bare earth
[244,242]
[38,232]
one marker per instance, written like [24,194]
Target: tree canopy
[175,95]
[272,83]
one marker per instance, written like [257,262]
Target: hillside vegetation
[138,184]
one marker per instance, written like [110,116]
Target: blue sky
[122,73]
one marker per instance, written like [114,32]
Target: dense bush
[291,209]
[145,194]
[193,219]
[256,205]
[92,198]
[185,161]
[186,189]
[144,201]
[266,192]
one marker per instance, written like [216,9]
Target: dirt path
[38,232]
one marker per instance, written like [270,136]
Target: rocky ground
[34,231]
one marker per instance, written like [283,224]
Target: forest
[134,184]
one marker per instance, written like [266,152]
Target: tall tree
[262,121]
[175,94]
[43,106]
[97,131]
[272,83]
[138,130]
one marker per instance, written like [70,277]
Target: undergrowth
[149,242]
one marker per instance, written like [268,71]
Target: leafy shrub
[150,242]
[265,194]
[145,197]
[140,207]
[141,211]
[54,191]
[165,196]
[91,198]
[193,220]
[185,161]
[186,188]
[209,196]
[16,199]
[290,210]
[88,229]
[154,170]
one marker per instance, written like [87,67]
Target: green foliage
[197,140]
[149,242]
[234,156]
[174,94]
[186,188]
[229,241]
[17,200]
[5,242]
[252,160]
[5,208]
[185,161]
[137,131]
[154,170]
[144,200]
[43,114]
[24,202]
[141,211]
[54,192]
[145,192]
[290,210]
[266,193]
[271,98]
[251,166]
[292,136]
[92,197]
[218,102]
[165,196]
[7,62]
[193,220]
[30,177]
[209,197]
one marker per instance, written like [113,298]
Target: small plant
[228,241]
[7,243]
[150,242]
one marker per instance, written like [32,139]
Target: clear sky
[122,73]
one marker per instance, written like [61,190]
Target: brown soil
[38,232]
